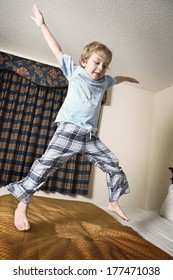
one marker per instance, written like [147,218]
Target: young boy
[76,125]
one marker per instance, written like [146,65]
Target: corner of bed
[70,230]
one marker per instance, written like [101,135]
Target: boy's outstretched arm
[53,44]
[120,79]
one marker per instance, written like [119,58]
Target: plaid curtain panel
[31,94]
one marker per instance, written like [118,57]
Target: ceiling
[139,33]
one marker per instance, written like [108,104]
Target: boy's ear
[83,62]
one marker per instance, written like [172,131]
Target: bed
[75,230]
[151,226]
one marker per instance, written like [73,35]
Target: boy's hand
[39,19]
[120,79]
[131,80]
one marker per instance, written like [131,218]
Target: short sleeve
[110,81]
[68,66]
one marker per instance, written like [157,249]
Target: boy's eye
[98,62]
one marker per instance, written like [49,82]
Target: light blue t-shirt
[83,101]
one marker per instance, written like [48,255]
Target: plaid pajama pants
[70,139]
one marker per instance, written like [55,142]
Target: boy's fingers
[35,9]
[33,18]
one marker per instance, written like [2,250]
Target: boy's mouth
[97,74]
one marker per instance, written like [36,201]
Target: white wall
[126,126]
[161,149]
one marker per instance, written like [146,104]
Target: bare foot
[114,207]
[20,218]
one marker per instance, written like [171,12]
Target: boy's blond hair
[96,47]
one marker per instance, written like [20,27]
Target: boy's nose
[100,67]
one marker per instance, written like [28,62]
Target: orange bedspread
[69,230]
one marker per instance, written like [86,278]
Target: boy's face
[95,66]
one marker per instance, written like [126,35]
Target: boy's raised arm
[121,79]
[53,44]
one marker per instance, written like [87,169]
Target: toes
[22,227]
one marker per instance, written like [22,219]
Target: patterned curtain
[31,94]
